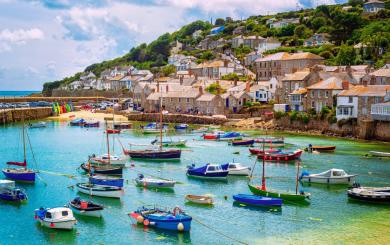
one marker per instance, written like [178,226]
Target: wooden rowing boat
[326,148]
[200,199]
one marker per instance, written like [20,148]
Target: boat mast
[24,143]
[108,145]
[263,176]
[297,178]
[161,122]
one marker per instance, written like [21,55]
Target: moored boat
[209,171]
[370,194]
[175,220]
[37,125]
[56,218]
[154,154]
[379,154]
[281,156]
[123,125]
[91,124]
[258,151]
[181,126]
[153,182]
[230,136]
[270,140]
[113,131]
[210,136]
[331,176]
[13,195]
[102,169]
[236,168]
[200,130]
[99,190]
[171,143]
[206,200]
[98,179]
[257,190]
[248,142]
[254,200]
[86,208]
[77,122]
[111,159]
[326,148]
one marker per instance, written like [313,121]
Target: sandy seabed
[88,115]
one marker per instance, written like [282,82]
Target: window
[261,74]
[319,93]
[312,104]
[48,215]
[350,99]
[179,99]
[270,74]
[274,64]
[64,213]
[377,100]
[211,168]
[188,100]
[326,94]
[270,86]
[312,94]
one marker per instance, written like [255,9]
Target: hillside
[345,27]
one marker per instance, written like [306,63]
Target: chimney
[225,63]
[158,86]
[248,87]
[235,82]
[200,90]
[181,80]
[345,85]
[167,88]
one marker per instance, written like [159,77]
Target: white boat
[200,130]
[236,168]
[37,125]
[154,183]
[199,199]
[99,190]
[109,159]
[56,218]
[7,184]
[86,208]
[332,176]
[380,153]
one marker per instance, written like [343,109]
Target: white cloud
[20,36]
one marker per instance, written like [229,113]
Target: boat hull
[155,184]
[325,180]
[370,196]
[243,143]
[96,192]
[63,225]
[103,170]
[239,172]
[282,157]
[106,181]
[154,155]
[380,154]
[285,196]
[211,176]
[204,200]
[17,175]
[254,200]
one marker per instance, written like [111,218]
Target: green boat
[285,196]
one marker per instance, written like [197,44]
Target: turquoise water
[59,149]
[16,93]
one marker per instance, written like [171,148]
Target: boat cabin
[334,173]
[59,213]
[214,168]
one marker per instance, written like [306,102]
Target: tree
[219,22]
[215,88]
[168,70]
[318,22]
[302,32]
[207,55]
[346,55]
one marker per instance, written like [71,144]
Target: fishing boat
[254,200]
[111,159]
[86,208]
[7,184]
[175,220]
[101,169]
[236,168]
[122,125]
[20,174]
[270,140]
[91,124]
[13,195]
[113,131]
[210,136]
[230,136]
[170,143]
[327,148]
[379,154]
[370,194]
[77,122]
[281,156]
[154,128]
[37,125]
[206,200]
[209,171]
[200,130]
[99,190]
[56,218]
[181,126]
[249,142]
[99,179]
[258,151]
[331,176]
[154,183]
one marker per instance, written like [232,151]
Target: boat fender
[146,222]
[286,158]
[278,158]
[180,227]
[140,219]
[52,224]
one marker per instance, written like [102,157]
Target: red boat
[210,136]
[281,156]
[113,131]
[258,151]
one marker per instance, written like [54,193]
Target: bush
[293,115]
[305,118]
[279,114]
[324,112]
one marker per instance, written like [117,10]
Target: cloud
[20,36]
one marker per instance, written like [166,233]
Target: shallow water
[60,149]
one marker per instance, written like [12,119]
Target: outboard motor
[355,185]
[141,176]
[310,148]
[304,173]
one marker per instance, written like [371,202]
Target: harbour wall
[90,93]
[176,118]
[15,115]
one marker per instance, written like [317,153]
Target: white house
[283,23]
[347,106]
[373,6]
[269,44]
[260,93]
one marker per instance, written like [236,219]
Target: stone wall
[15,115]
[90,93]
[176,118]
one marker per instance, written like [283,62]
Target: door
[227,102]
[297,107]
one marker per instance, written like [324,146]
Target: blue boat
[13,195]
[243,142]
[181,126]
[175,220]
[209,171]
[106,180]
[77,122]
[230,136]
[254,200]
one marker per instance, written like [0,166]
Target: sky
[47,40]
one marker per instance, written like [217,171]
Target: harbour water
[16,93]
[330,218]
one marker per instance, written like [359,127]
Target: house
[178,47]
[116,82]
[75,85]
[381,76]
[235,99]
[292,82]
[214,69]
[356,102]
[239,30]
[271,85]
[283,23]
[216,43]
[251,57]
[297,99]
[253,41]
[282,63]
[318,39]
[237,41]
[323,93]
[217,30]
[260,93]
[270,21]
[373,6]
[210,104]
[141,91]
[381,111]
[204,44]
[197,34]
[347,8]
[270,43]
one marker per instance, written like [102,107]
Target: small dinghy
[56,218]
[230,136]
[7,184]
[254,200]
[98,179]
[109,159]
[37,125]
[327,148]
[91,124]
[102,169]
[370,194]
[209,171]
[210,136]
[200,130]
[122,125]
[99,190]
[154,183]
[86,208]
[77,122]
[379,154]
[175,220]
[331,176]
[249,142]
[182,126]
[200,199]
[13,195]
[236,168]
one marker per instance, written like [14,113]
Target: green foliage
[302,31]
[215,88]
[293,115]
[168,70]
[234,77]
[324,112]
[219,22]
[279,114]
[346,55]
[207,55]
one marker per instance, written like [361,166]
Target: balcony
[381,112]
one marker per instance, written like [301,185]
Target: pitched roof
[369,90]
[304,55]
[381,73]
[206,97]
[240,94]
[300,91]
[154,96]
[276,56]
[116,78]
[258,87]
[297,76]
[330,83]
[215,63]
